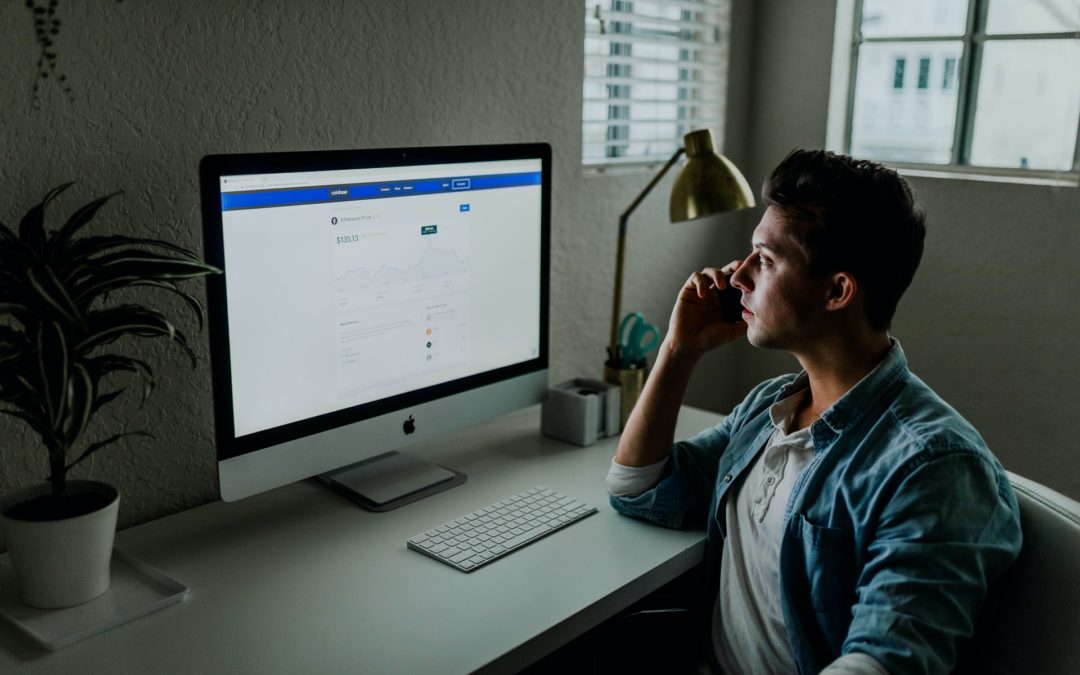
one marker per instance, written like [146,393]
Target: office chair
[1035,627]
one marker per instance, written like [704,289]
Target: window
[654,70]
[992,84]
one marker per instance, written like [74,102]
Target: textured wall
[158,85]
[990,321]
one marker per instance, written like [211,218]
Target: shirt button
[727,478]
[770,480]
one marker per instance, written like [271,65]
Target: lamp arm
[617,300]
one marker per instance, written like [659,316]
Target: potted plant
[64,302]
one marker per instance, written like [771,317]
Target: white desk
[301,580]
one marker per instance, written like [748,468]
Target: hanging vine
[46,31]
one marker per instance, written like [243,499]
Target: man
[854,520]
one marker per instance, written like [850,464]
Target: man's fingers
[697,283]
[711,277]
[730,267]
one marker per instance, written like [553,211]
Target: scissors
[642,338]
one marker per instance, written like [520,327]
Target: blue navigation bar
[231,201]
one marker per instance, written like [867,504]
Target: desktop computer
[371,298]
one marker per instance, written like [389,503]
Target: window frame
[847,41]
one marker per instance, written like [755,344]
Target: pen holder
[580,411]
[630,382]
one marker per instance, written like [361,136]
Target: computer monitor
[371,299]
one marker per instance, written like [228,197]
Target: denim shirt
[893,532]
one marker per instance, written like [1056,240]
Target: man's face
[784,307]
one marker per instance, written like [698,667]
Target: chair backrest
[1036,625]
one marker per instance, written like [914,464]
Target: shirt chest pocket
[829,557]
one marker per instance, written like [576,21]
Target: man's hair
[854,216]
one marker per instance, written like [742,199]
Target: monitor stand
[390,480]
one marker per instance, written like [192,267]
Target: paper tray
[137,589]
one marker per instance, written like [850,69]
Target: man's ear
[842,291]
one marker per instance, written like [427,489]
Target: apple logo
[409,426]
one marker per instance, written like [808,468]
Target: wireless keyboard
[498,530]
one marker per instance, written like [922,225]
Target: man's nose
[740,278]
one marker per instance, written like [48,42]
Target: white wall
[158,85]
[990,321]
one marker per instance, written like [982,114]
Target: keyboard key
[526,536]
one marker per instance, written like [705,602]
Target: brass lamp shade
[709,183]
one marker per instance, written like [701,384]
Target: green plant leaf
[108,397]
[39,426]
[32,226]
[11,389]
[81,394]
[12,339]
[11,247]
[191,301]
[151,266]
[19,391]
[52,292]
[107,364]
[81,250]
[77,221]
[109,324]
[94,447]
[6,235]
[121,316]
[85,297]
[53,365]
[12,286]
[52,361]
[24,313]
[93,283]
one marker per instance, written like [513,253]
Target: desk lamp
[708,184]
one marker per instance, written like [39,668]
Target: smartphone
[730,302]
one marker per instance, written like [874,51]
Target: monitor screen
[370,298]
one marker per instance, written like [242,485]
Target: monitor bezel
[213,167]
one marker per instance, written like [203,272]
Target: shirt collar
[783,410]
[860,398]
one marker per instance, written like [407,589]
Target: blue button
[460,184]
[463,208]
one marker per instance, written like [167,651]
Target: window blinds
[654,70]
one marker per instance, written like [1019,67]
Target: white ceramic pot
[62,563]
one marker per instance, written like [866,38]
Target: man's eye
[764,262]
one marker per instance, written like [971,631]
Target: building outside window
[991,84]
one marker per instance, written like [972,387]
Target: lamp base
[631,381]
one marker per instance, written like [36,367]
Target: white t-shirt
[748,632]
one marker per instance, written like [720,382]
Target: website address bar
[272,181]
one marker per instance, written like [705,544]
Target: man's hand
[696,324]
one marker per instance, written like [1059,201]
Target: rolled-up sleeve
[948,530]
[681,498]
